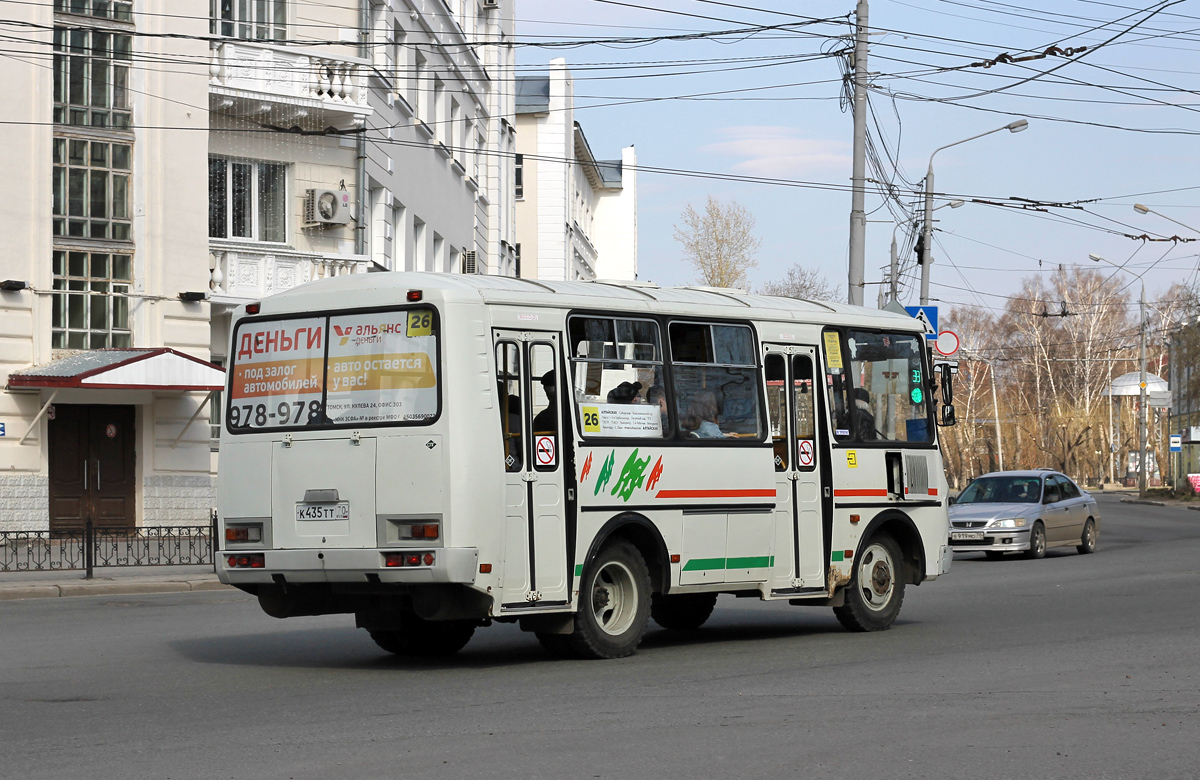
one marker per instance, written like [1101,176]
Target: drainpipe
[364,51]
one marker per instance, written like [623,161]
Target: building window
[257,20]
[91,189]
[121,10]
[247,200]
[519,176]
[91,78]
[91,304]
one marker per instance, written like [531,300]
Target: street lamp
[927,233]
[1142,410]
[1139,208]
[895,267]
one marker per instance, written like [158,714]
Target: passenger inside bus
[545,422]
[863,417]
[625,393]
[701,418]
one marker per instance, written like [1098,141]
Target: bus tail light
[253,308]
[245,533]
[258,561]
[406,559]
[414,296]
[419,531]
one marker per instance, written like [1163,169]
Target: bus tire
[426,638]
[682,612]
[876,590]
[614,603]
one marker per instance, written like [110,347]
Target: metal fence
[86,549]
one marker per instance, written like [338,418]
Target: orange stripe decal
[865,492]
[716,493]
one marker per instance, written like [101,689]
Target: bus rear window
[364,368]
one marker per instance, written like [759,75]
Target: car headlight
[1012,522]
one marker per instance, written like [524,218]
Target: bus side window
[508,386]
[777,412]
[715,379]
[806,420]
[543,382]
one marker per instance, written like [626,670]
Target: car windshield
[1002,490]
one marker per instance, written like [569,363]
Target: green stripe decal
[579,570]
[837,556]
[710,564]
[704,564]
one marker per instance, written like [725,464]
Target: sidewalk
[108,581]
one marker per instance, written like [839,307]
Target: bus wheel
[614,603]
[876,588]
[682,612]
[426,638]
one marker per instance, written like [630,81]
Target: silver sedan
[1023,511]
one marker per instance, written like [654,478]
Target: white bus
[435,452]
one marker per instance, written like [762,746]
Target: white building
[177,158]
[576,214]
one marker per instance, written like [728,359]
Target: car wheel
[614,603]
[1037,542]
[876,589]
[1087,542]
[426,638]
[994,555]
[683,612]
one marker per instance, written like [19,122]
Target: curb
[84,588]
[1145,502]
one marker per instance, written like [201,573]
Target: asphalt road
[1073,666]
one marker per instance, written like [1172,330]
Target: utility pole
[858,211]
[1142,409]
[996,412]
[894,273]
[927,234]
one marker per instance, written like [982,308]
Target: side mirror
[947,385]
[948,418]
[950,501]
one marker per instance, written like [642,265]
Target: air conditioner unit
[468,262]
[327,207]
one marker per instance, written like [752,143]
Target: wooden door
[92,451]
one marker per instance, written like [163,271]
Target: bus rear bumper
[450,565]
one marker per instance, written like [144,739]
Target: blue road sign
[1176,442]
[928,315]
[2,429]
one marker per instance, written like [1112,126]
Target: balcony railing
[253,272]
[273,73]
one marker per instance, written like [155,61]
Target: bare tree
[800,282]
[720,243]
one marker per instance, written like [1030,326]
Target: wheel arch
[901,528]
[642,534]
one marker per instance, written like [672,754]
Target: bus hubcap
[877,576]
[614,598]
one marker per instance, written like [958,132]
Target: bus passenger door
[791,404]
[535,554]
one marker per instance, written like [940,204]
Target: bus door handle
[529,477]
[793,475]
[826,492]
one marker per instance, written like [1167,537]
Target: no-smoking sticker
[806,453]
[111,431]
[544,451]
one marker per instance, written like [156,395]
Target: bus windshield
[361,368]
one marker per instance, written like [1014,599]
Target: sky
[767,104]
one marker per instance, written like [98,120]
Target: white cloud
[779,152]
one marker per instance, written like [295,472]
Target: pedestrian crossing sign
[927,316]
